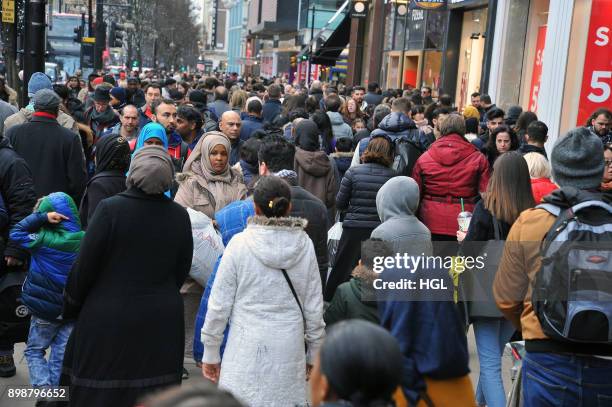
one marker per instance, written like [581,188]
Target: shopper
[366,373]
[128,307]
[452,171]
[268,285]
[539,171]
[555,369]
[501,140]
[52,235]
[208,183]
[315,171]
[357,196]
[507,195]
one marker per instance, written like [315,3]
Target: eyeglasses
[608,163]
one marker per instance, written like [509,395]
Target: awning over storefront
[329,53]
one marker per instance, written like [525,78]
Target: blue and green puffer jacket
[53,250]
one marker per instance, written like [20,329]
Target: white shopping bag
[207,246]
[333,239]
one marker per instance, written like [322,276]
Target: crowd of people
[99,179]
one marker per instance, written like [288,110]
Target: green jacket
[347,304]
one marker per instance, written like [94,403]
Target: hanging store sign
[596,91]
[8,11]
[359,9]
[536,76]
[428,4]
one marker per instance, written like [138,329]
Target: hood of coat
[450,150]
[335,118]
[396,122]
[314,163]
[279,243]
[397,198]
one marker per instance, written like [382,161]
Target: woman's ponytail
[272,196]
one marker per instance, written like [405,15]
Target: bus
[60,42]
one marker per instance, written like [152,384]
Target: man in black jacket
[276,158]
[17,191]
[53,153]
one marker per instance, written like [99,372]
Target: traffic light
[116,35]
[78,34]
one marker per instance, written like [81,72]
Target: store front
[564,72]
[467,48]
[412,47]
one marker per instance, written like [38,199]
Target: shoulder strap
[591,203]
[496,229]
[550,208]
[293,292]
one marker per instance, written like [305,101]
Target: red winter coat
[540,187]
[452,168]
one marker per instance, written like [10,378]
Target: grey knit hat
[577,160]
[46,99]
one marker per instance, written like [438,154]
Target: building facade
[553,57]
[272,37]
[237,32]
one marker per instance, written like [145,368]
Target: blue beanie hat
[38,81]
[119,94]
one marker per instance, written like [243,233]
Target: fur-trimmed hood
[279,243]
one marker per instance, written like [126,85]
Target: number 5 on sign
[597,83]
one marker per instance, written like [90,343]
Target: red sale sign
[597,77]
[536,76]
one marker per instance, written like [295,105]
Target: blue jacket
[231,220]
[432,340]
[271,110]
[53,249]
[249,125]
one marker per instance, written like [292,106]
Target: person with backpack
[357,195]
[267,284]
[452,171]
[568,345]
[52,234]
[508,194]
[408,141]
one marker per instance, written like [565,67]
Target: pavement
[195,374]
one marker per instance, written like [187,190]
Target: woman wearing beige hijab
[208,183]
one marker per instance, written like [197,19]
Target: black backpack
[572,293]
[406,154]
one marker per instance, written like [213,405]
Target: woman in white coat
[264,363]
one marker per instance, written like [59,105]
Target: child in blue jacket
[52,235]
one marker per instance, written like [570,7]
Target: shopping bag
[333,239]
[207,246]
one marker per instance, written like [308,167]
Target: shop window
[415,29]
[473,34]
[389,27]
[400,32]
[432,66]
[436,27]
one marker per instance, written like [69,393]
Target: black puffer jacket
[306,205]
[18,193]
[358,194]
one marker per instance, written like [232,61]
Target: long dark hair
[367,372]
[491,146]
[509,190]
[325,127]
[272,196]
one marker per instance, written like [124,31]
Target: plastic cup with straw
[464,218]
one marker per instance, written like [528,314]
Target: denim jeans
[45,334]
[491,334]
[563,380]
